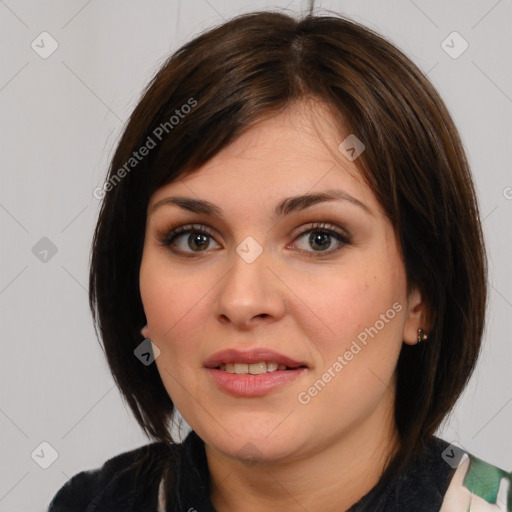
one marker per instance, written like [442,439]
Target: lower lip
[253,385]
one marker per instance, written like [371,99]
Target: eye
[197,238]
[320,238]
[192,239]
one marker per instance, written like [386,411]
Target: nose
[250,293]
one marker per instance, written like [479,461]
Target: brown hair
[254,66]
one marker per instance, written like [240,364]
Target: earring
[422,336]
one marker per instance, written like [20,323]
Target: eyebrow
[285,207]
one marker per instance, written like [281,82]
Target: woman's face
[317,286]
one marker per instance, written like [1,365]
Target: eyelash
[174,232]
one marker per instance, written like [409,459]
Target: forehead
[293,152]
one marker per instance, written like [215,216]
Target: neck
[331,479]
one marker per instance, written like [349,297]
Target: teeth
[253,369]
[272,367]
[257,368]
[241,368]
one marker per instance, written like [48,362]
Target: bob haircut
[254,66]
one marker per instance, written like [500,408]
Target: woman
[289,253]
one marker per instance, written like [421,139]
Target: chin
[259,451]
[253,443]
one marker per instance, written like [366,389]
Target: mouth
[255,368]
[252,362]
[254,373]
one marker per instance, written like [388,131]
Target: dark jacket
[130,482]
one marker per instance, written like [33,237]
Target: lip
[251,356]
[248,385]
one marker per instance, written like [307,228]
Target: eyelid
[323,226]
[170,233]
[173,230]
[343,238]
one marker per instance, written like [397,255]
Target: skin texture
[325,454]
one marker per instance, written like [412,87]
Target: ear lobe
[416,318]
[145,331]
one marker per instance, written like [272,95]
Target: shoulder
[115,481]
[477,486]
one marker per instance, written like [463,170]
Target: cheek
[364,304]
[358,354]
[169,296]
[172,303]
[350,302]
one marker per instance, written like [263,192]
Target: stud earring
[422,336]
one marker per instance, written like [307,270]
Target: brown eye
[198,241]
[321,238]
[188,239]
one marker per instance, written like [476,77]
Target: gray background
[60,119]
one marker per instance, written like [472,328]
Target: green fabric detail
[483,479]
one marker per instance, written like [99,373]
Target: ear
[416,318]
[145,331]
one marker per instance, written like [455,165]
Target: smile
[252,369]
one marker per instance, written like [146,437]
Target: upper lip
[232,355]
